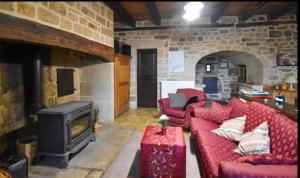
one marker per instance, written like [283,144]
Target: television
[65,82]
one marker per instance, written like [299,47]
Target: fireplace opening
[20,92]
[30,81]
[211,85]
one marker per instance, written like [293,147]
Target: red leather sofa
[178,117]
[216,153]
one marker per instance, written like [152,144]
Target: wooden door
[241,73]
[147,78]
[122,83]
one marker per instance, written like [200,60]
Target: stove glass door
[79,125]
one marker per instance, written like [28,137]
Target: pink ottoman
[163,155]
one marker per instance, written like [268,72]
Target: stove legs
[64,162]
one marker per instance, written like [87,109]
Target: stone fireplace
[93,81]
[77,35]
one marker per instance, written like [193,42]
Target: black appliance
[117,46]
[64,130]
[17,165]
[126,50]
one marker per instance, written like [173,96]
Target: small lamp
[291,80]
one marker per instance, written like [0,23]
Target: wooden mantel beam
[251,11]
[282,11]
[117,8]
[154,13]
[17,29]
[220,12]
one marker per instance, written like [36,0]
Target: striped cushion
[255,142]
[232,129]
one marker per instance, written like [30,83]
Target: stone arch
[254,71]
[254,65]
[262,58]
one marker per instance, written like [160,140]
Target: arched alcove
[227,69]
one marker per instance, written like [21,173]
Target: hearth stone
[64,129]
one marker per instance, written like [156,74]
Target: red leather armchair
[178,117]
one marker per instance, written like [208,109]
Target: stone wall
[262,42]
[92,20]
[60,59]
[11,97]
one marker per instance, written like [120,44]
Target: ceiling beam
[154,13]
[220,12]
[251,11]
[282,11]
[117,8]
[216,25]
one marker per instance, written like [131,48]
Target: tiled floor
[137,119]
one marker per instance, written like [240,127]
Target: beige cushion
[232,129]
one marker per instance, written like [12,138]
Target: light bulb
[190,16]
[192,10]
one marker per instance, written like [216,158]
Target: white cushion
[255,142]
[232,129]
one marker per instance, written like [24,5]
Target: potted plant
[97,124]
[163,120]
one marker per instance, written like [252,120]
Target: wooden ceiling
[131,11]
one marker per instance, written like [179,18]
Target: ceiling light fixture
[192,10]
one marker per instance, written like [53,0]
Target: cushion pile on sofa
[217,153]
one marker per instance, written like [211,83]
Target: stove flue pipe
[37,82]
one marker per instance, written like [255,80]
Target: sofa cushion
[230,169]
[175,112]
[177,100]
[213,154]
[256,141]
[284,136]
[207,138]
[219,113]
[239,108]
[267,159]
[232,129]
[201,124]
[202,113]
[258,113]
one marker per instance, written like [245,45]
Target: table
[286,108]
[289,95]
[163,155]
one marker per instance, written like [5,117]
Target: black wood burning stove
[64,129]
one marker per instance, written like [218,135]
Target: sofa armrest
[189,112]
[164,103]
[234,169]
